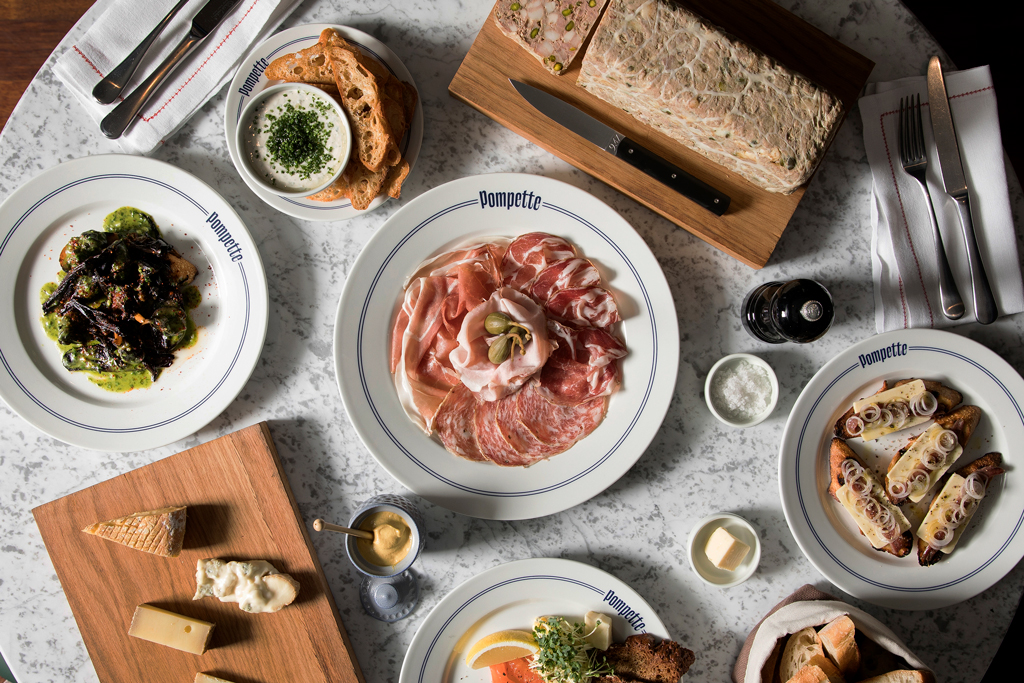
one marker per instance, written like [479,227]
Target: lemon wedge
[500,647]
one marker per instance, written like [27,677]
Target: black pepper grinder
[799,311]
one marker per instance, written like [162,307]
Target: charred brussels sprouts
[170,323]
[80,248]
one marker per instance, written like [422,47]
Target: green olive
[497,323]
[500,350]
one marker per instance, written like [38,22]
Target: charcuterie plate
[476,207]
[992,544]
[38,219]
[511,596]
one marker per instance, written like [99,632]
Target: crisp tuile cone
[159,532]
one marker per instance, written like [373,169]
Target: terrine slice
[675,72]
[553,31]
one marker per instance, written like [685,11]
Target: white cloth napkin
[124,25]
[903,263]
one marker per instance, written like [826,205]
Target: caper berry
[497,323]
[500,350]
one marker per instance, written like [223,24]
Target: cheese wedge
[932,521]
[159,532]
[904,393]
[912,457]
[870,529]
[170,629]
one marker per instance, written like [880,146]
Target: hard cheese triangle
[154,531]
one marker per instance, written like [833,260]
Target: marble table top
[637,529]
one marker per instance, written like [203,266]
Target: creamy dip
[298,140]
[392,539]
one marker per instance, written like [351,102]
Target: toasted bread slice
[809,674]
[800,648]
[309,65]
[838,639]
[947,397]
[840,451]
[962,422]
[991,463]
[902,676]
[160,532]
[361,99]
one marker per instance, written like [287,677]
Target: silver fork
[914,158]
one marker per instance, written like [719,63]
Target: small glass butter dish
[741,390]
[741,532]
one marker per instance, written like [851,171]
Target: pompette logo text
[223,236]
[882,354]
[510,200]
[625,611]
[253,78]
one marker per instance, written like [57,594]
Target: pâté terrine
[553,31]
[675,72]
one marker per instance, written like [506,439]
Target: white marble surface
[637,529]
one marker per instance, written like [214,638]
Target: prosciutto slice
[470,360]
[591,306]
[530,254]
[571,273]
[584,365]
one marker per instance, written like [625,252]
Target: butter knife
[955,182]
[115,123]
[613,142]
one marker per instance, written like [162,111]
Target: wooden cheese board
[752,226]
[240,507]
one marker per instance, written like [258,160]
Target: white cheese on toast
[871,529]
[904,467]
[906,393]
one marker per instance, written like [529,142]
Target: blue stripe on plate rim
[408,452]
[803,509]
[241,106]
[238,351]
[536,577]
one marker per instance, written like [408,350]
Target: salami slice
[455,423]
[570,273]
[591,306]
[556,425]
[529,254]
[517,434]
[492,442]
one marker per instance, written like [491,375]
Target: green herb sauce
[129,219]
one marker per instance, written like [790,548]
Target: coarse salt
[741,391]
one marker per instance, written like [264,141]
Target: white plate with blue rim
[511,596]
[450,215]
[250,79]
[993,543]
[39,218]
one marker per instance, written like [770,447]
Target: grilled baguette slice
[948,400]
[839,451]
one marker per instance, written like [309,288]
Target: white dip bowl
[720,411]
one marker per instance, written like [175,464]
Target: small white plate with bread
[297,51]
[899,564]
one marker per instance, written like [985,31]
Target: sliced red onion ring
[918,480]
[898,489]
[975,486]
[933,459]
[967,505]
[924,404]
[946,441]
[859,484]
[854,425]
[885,519]
[870,413]
[900,413]
[871,508]
[952,516]
[885,417]
[850,469]
[941,538]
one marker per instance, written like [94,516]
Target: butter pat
[207,678]
[171,630]
[725,550]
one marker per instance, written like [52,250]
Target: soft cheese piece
[599,630]
[172,630]
[160,532]
[932,521]
[904,393]
[904,467]
[871,530]
[256,586]
[673,71]
[725,550]
[207,678]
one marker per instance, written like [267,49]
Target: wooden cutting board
[752,226]
[239,507]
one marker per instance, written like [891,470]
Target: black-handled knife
[613,142]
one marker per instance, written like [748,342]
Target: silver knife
[613,142]
[956,187]
[114,124]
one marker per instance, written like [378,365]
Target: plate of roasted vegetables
[136,307]
[543,620]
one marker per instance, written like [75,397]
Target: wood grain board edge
[756,219]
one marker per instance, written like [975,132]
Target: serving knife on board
[212,13]
[617,144]
[955,183]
